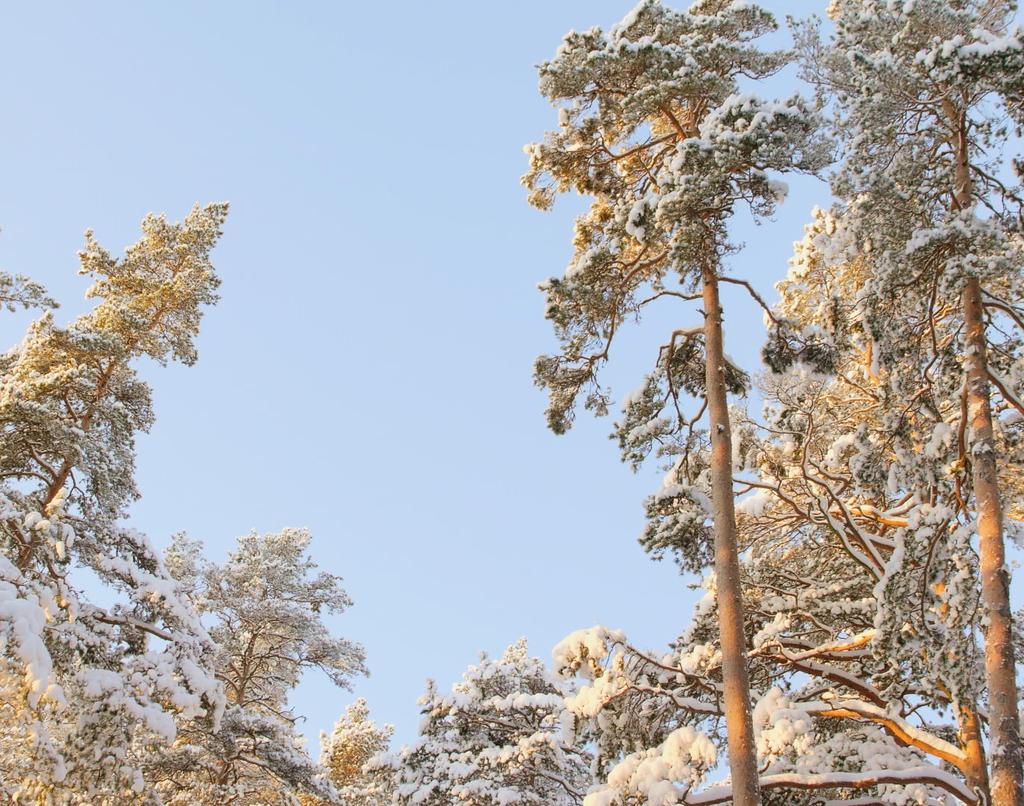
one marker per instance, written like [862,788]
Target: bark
[736,683]
[974,768]
[1000,666]
[1005,752]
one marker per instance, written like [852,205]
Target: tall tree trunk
[736,684]
[1000,668]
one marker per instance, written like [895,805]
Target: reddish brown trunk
[736,684]
[975,769]
[1006,769]
[1000,667]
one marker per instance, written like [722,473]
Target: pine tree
[266,607]
[860,588]
[354,757]
[494,741]
[84,685]
[869,469]
[888,474]
[818,739]
[919,88]
[653,128]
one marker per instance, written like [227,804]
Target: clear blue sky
[368,372]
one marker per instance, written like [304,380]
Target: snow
[662,775]
[941,439]
[585,648]
[23,619]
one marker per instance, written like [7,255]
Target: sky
[367,373]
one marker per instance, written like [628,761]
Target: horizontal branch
[833,673]
[128,621]
[852,780]
[833,647]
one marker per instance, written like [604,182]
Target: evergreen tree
[922,89]
[652,127]
[82,684]
[266,607]
[494,741]
[860,586]
[354,757]
[881,468]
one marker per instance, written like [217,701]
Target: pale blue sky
[368,372]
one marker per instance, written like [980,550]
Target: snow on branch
[921,775]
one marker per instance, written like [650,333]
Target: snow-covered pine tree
[863,477]
[82,684]
[265,607]
[495,740]
[651,715]
[653,128]
[860,588]
[354,757]
[922,89]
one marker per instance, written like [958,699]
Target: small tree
[353,756]
[82,683]
[266,606]
[652,126]
[494,741]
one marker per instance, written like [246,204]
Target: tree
[879,469]
[494,741]
[353,756]
[653,128]
[860,587]
[862,474]
[84,684]
[644,712]
[266,606]
[918,87]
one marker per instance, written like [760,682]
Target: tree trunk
[736,684]
[975,770]
[1000,668]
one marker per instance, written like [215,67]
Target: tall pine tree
[653,128]
[922,89]
[84,684]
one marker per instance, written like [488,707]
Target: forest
[850,508]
